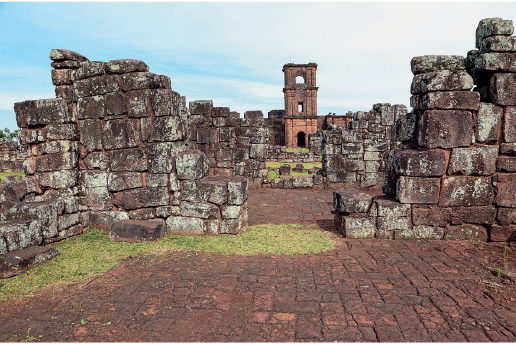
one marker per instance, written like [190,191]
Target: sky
[233,53]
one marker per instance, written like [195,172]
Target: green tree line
[7,133]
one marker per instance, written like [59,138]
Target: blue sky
[233,53]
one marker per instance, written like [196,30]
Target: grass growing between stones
[90,255]
[4,174]
[307,165]
[297,150]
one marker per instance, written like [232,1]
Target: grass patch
[298,149]
[3,174]
[307,165]
[91,254]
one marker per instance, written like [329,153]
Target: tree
[7,133]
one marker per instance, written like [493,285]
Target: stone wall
[356,155]
[11,156]
[454,175]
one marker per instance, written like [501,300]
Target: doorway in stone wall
[301,139]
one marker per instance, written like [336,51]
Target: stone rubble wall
[11,155]
[115,145]
[280,154]
[356,156]
[453,176]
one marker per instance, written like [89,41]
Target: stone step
[136,230]
[16,262]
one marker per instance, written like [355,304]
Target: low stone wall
[280,154]
[11,156]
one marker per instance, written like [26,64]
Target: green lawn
[93,253]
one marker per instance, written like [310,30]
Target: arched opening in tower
[301,140]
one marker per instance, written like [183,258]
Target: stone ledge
[16,262]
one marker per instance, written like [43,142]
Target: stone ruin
[11,155]
[117,144]
[453,175]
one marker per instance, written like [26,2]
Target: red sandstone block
[506,164]
[133,160]
[501,233]
[418,190]
[17,262]
[169,128]
[505,190]
[506,216]
[503,88]
[498,44]
[452,100]
[56,162]
[136,230]
[445,80]
[488,123]
[97,85]
[165,102]
[466,232]
[480,160]
[496,62]
[445,129]
[63,54]
[91,107]
[63,76]
[141,198]
[89,69]
[351,201]
[427,163]
[492,27]
[431,215]
[138,103]
[508,148]
[121,133]
[432,63]
[139,81]
[126,66]
[465,191]
[116,103]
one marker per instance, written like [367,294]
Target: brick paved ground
[363,290]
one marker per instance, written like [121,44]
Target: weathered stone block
[231,211]
[95,86]
[351,201]
[444,80]
[478,160]
[445,129]
[186,225]
[61,131]
[89,69]
[200,107]
[93,179]
[192,164]
[126,66]
[432,63]
[121,133]
[509,124]
[226,134]
[167,128]
[53,147]
[161,156]
[238,190]
[358,227]
[199,210]
[496,62]
[503,88]
[98,198]
[207,135]
[165,102]
[488,122]
[105,219]
[53,162]
[508,148]
[483,215]
[492,27]
[213,189]
[57,179]
[390,208]
[8,198]
[451,100]
[98,160]
[231,226]
[258,151]
[63,76]
[393,223]
[501,233]
[426,163]
[115,103]
[417,190]
[143,214]
[505,190]
[348,178]
[132,160]
[48,111]
[421,232]
[139,81]
[142,198]
[63,54]
[139,104]
[506,164]
[136,230]
[46,214]
[466,232]
[17,262]
[498,44]
[465,191]
[90,134]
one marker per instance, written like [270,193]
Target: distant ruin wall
[11,155]
[454,175]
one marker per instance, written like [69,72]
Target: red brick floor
[363,290]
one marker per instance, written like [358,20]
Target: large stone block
[161,156]
[431,215]
[348,178]
[17,262]
[121,133]
[46,214]
[63,76]
[63,54]
[505,190]
[426,163]
[393,223]
[98,198]
[105,219]
[22,109]
[503,88]
[475,160]
[90,69]
[61,146]
[445,80]
[509,124]
[506,164]
[465,191]
[418,190]
[390,208]
[90,134]
[132,160]
[451,100]
[139,81]
[98,160]
[421,233]
[501,233]
[186,225]
[96,86]
[496,62]
[142,198]
[406,127]
[358,227]
[192,164]
[508,148]
[8,198]
[466,232]
[139,104]
[48,111]
[167,128]
[488,123]
[238,190]
[498,44]
[92,179]
[57,179]
[19,234]
[351,201]
[136,230]
[445,129]
[199,210]
[432,63]
[56,162]
[483,215]
[492,27]
[61,131]
[126,66]
[213,189]
[336,163]
[165,102]
[200,107]
[118,181]
[115,104]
